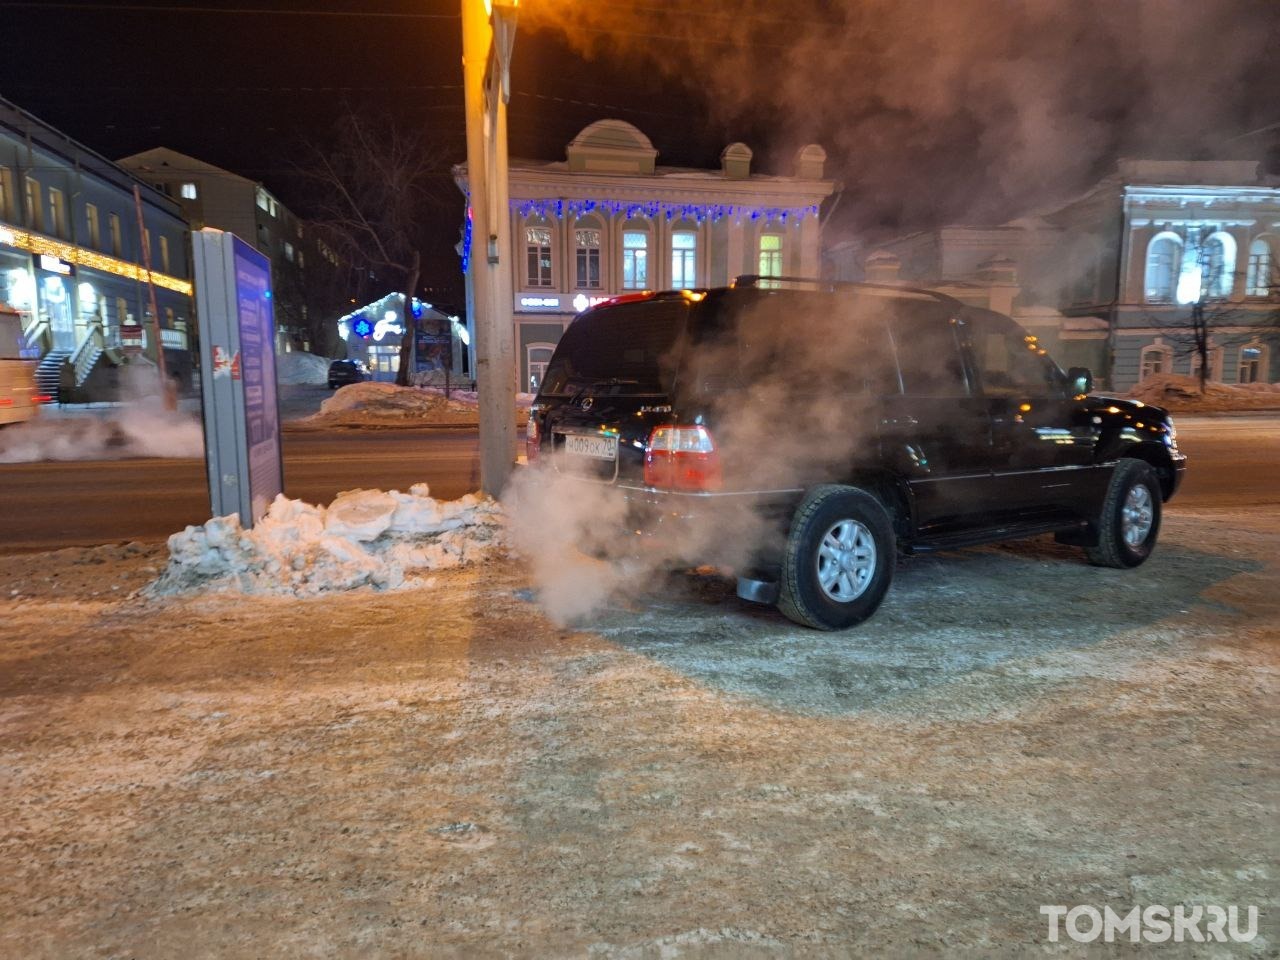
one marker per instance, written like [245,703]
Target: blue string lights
[652,210]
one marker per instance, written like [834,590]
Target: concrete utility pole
[488,33]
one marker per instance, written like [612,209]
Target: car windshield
[623,349]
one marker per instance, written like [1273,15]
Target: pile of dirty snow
[300,367]
[373,404]
[1181,394]
[370,538]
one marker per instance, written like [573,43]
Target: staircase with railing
[88,352]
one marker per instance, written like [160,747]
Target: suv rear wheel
[1130,518]
[839,558]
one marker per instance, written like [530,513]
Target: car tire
[1129,520]
[839,558]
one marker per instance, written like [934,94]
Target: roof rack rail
[756,280]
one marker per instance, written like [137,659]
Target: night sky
[932,111]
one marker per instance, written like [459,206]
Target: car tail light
[6,401]
[531,437]
[43,398]
[682,458]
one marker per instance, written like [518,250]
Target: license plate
[598,448]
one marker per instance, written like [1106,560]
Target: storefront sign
[526,302]
[54,265]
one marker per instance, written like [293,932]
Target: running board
[1010,531]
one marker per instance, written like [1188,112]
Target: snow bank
[300,367]
[385,404]
[364,538]
[1181,393]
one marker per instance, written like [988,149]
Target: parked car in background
[19,400]
[343,372]
[856,422]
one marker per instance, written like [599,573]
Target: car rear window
[627,348]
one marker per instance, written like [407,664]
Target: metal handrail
[87,353]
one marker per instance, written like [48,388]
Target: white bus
[18,397]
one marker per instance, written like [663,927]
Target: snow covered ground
[1181,394]
[297,367]
[375,404]
[443,771]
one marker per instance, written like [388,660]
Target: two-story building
[73,240]
[608,220]
[1111,279]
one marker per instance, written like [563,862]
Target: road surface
[1234,463]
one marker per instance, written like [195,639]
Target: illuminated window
[6,194]
[91,221]
[635,260]
[684,260]
[288,251]
[1164,257]
[1253,363]
[122,311]
[1156,359]
[1259,279]
[263,201]
[537,241]
[34,205]
[168,318]
[190,192]
[1217,263]
[146,245]
[117,243]
[58,212]
[538,355]
[588,258]
[770,256]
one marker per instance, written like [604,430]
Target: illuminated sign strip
[35,243]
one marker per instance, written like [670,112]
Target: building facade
[1115,279]
[373,335]
[74,264]
[212,197]
[608,220]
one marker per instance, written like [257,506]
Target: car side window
[1010,361]
[929,356]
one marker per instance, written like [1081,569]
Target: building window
[58,212]
[635,260]
[122,311]
[539,355]
[190,191]
[1217,263]
[538,256]
[91,221]
[6,194]
[35,205]
[263,201]
[117,244]
[1215,368]
[684,260]
[588,258]
[302,262]
[770,256]
[168,318]
[288,251]
[164,254]
[1253,363]
[146,246]
[1259,279]
[1156,359]
[1164,257]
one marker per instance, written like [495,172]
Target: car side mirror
[1080,380]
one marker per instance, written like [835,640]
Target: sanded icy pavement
[443,769]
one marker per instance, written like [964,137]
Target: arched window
[635,255]
[1164,260]
[684,257]
[1255,362]
[1217,265]
[588,237]
[538,246]
[1156,359]
[1261,279]
[538,355]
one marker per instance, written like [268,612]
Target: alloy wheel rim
[846,560]
[1137,516]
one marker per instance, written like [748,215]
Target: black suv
[806,432]
[343,372]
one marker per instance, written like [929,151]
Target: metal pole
[166,391]
[491,274]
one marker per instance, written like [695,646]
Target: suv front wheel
[1130,517]
[839,558]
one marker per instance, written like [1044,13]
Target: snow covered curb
[376,404]
[364,538]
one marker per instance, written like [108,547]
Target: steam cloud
[946,110]
[785,396]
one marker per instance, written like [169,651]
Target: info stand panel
[237,375]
